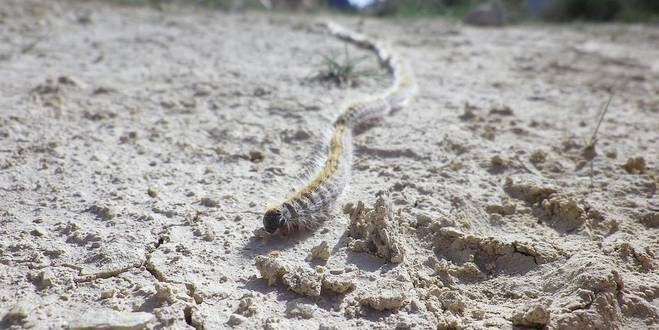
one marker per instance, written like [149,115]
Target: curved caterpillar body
[313,202]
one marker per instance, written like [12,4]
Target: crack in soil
[524,253]
[109,273]
[188,310]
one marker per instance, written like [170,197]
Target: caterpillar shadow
[276,242]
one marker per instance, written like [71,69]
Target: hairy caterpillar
[312,202]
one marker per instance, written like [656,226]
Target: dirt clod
[376,230]
[532,316]
[320,252]
[635,165]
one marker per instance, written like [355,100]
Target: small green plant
[588,152]
[342,72]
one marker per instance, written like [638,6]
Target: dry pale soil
[139,147]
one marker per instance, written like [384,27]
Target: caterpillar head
[273,219]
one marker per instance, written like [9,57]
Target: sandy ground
[139,147]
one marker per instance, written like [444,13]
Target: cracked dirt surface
[138,148]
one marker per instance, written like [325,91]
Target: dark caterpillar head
[273,220]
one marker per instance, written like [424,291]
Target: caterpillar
[312,203]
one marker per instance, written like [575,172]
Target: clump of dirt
[246,306]
[651,219]
[499,164]
[300,279]
[535,315]
[562,213]
[271,267]
[474,257]
[304,281]
[528,189]
[298,309]
[338,284]
[320,252]
[110,319]
[506,208]
[631,251]
[388,295]
[377,230]
[635,165]
[538,157]
[503,110]
[590,293]
[559,211]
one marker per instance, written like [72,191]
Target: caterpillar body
[312,203]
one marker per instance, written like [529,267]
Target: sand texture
[140,146]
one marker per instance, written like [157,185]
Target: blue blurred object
[340,4]
[536,6]
[350,4]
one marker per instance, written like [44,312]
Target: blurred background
[478,12]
